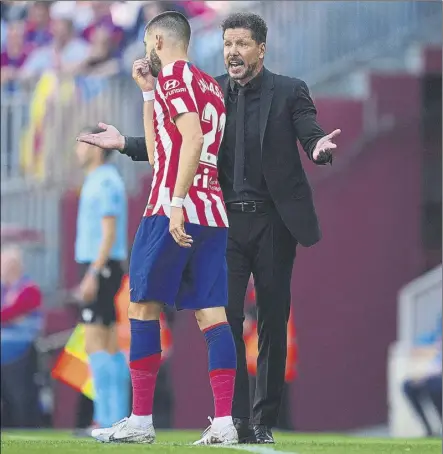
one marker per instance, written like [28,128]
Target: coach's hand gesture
[109,139]
[324,146]
[141,73]
[177,228]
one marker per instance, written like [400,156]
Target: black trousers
[259,243]
[284,421]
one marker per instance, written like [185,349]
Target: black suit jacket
[287,113]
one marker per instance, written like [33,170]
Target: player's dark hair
[97,130]
[174,22]
[249,21]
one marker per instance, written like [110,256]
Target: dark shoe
[263,434]
[245,433]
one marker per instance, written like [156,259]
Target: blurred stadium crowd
[78,38]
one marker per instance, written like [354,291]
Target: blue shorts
[189,278]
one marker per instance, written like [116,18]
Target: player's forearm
[148,122]
[187,167]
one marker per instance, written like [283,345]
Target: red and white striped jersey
[183,88]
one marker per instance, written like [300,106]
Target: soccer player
[178,256]
[100,249]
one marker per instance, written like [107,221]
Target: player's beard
[155,63]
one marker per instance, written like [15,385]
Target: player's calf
[144,362]
[222,367]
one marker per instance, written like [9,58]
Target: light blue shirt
[103,194]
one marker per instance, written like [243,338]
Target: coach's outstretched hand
[177,228]
[109,139]
[322,150]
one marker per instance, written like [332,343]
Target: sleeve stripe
[179,105]
[187,77]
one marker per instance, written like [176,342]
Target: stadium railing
[317,40]
[40,122]
[418,309]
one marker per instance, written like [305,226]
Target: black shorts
[102,310]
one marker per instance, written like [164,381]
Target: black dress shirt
[254,184]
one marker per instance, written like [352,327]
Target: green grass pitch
[171,442]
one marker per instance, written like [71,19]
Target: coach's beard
[155,63]
[249,72]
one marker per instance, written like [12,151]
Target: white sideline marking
[258,449]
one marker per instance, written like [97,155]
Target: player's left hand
[177,228]
[325,145]
[88,288]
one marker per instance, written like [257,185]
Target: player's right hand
[177,228]
[109,139]
[141,73]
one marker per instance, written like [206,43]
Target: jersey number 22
[210,115]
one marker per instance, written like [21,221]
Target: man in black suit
[269,202]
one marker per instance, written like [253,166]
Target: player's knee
[210,316]
[144,311]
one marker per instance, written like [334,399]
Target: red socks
[144,375]
[222,361]
[222,384]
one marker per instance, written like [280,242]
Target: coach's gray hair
[174,23]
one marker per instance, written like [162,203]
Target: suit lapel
[225,86]
[265,102]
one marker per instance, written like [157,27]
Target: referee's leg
[108,363]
